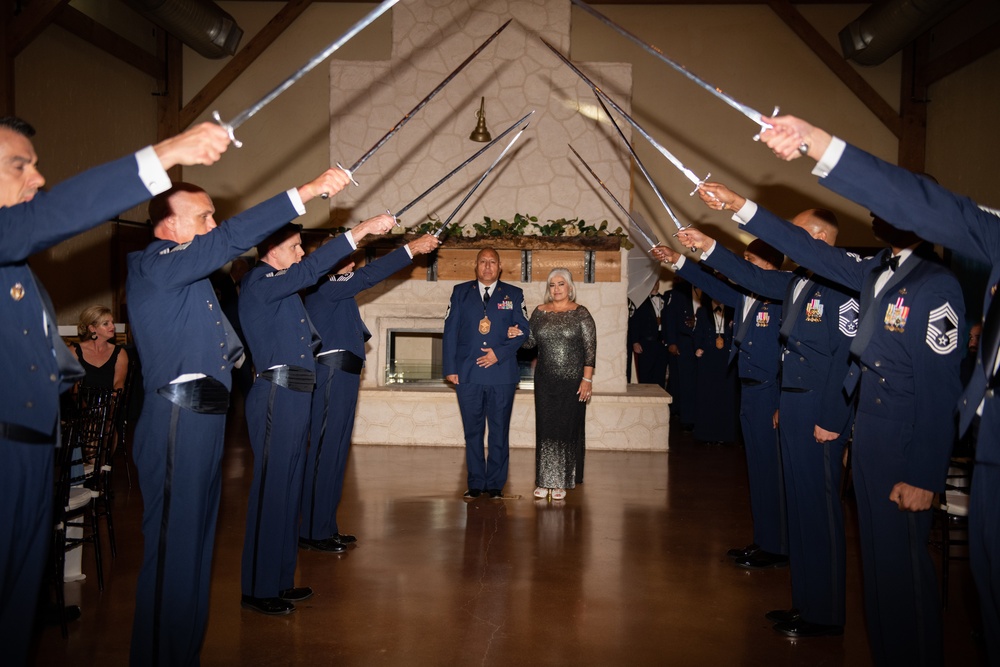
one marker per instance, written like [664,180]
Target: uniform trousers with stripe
[812,472]
[333,408]
[278,423]
[181,487]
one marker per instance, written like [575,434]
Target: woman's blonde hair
[90,316]
[559,271]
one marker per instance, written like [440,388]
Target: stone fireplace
[515,74]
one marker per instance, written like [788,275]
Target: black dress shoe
[268,606]
[297,594]
[496,494]
[748,550]
[782,615]
[472,493]
[345,539]
[762,560]
[803,628]
[329,545]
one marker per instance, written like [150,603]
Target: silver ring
[804,148]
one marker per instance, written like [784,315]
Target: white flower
[571,230]
[469,231]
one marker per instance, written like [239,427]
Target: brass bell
[481,134]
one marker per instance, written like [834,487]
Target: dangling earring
[93,335]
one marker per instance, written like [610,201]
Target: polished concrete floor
[629,570]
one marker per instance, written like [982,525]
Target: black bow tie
[889,262]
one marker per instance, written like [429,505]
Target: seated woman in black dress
[566,337]
[105,362]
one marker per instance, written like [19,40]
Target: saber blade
[246,114]
[633,226]
[482,178]
[420,105]
[642,167]
[688,174]
[747,111]
[461,166]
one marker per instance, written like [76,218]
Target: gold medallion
[17,292]
[719,343]
[484,325]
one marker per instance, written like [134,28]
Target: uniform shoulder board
[179,246]
[942,329]
[847,320]
[855,256]
[340,277]
[275,274]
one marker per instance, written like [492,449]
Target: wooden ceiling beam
[242,60]
[983,43]
[836,63]
[107,40]
[33,19]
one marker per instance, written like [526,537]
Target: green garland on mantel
[577,230]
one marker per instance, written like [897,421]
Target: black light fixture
[481,133]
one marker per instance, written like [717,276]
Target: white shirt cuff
[831,156]
[707,253]
[408,251]
[679,263]
[746,213]
[350,239]
[151,171]
[293,196]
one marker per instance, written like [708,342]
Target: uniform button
[302,356]
[222,368]
[25,332]
[882,380]
[989,393]
[218,323]
[864,369]
[222,344]
[33,367]
[878,364]
[302,321]
[53,377]
[798,342]
[29,404]
[802,358]
[750,343]
[878,401]
[226,357]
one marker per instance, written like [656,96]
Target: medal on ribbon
[719,342]
[484,325]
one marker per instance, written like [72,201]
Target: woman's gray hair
[559,271]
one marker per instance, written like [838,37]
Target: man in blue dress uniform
[38,364]
[481,361]
[758,350]
[334,312]
[815,416]
[678,334]
[907,367]
[284,342]
[187,374]
[645,340]
[937,215]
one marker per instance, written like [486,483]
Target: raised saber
[747,111]
[650,242]
[461,166]
[642,167]
[420,105]
[482,178]
[246,114]
[690,175]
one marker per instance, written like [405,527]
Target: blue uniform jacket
[909,366]
[679,316]
[30,397]
[278,330]
[940,216]
[332,307]
[755,340]
[178,324]
[817,330]
[463,342]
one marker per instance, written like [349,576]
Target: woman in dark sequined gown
[566,337]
